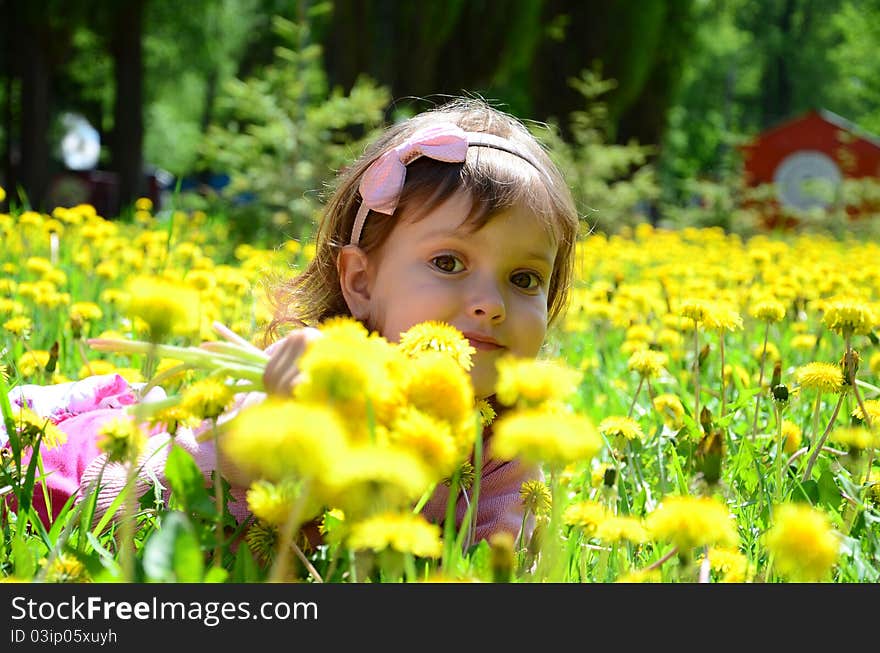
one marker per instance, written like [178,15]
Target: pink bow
[382,182]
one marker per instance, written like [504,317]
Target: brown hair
[494,178]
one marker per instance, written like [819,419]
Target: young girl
[455,215]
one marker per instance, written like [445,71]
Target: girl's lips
[483,343]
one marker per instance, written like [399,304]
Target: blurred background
[743,114]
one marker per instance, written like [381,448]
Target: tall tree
[127,141]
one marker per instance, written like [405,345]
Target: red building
[808,157]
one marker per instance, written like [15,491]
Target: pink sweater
[80,407]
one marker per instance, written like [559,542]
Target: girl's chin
[484,384]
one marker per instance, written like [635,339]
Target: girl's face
[490,284]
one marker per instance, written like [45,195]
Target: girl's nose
[487,303]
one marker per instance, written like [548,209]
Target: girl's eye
[447,263]
[526,280]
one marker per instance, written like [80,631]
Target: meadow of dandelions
[706,411]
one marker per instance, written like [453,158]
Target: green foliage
[609,182]
[281,134]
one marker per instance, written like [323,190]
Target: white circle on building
[807,179]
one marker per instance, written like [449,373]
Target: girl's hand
[282,372]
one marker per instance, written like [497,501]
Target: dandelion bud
[610,476]
[777,374]
[502,560]
[849,364]
[706,420]
[121,439]
[709,454]
[780,394]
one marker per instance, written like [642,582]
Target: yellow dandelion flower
[429,438]
[669,338]
[697,310]
[586,515]
[647,363]
[621,529]
[872,407]
[436,384]
[724,318]
[874,363]
[803,341]
[402,532]
[791,436]
[279,439]
[689,522]
[730,564]
[86,311]
[803,543]
[347,369]
[487,413]
[536,497]
[95,368]
[207,399]
[640,332]
[274,503]
[121,439]
[143,204]
[31,427]
[824,377]
[466,475]
[371,479]
[642,576]
[19,326]
[38,265]
[130,374]
[770,353]
[262,540]
[857,438]
[201,280]
[437,336]
[621,429]
[2,194]
[541,436]
[67,568]
[769,310]
[670,408]
[166,307]
[530,382]
[847,315]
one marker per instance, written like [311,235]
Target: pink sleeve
[499,508]
[79,409]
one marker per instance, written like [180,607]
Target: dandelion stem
[306,563]
[636,395]
[218,497]
[696,371]
[780,495]
[760,381]
[723,388]
[818,446]
[659,563]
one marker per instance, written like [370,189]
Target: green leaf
[188,483]
[481,561]
[25,558]
[172,554]
[829,493]
[245,569]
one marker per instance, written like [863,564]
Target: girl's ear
[352,266]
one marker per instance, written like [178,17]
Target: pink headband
[382,181]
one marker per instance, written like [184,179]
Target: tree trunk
[35,96]
[128,124]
